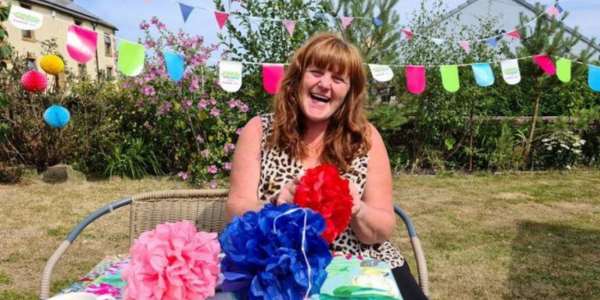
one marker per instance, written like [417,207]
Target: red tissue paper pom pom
[34,81]
[322,189]
[173,262]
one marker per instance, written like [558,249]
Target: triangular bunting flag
[408,33]
[346,21]
[415,79]
[545,63]
[594,77]
[510,71]
[484,76]
[515,34]
[466,46]
[186,10]
[450,79]
[377,21]
[221,17]
[552,11]
[559,8]
[289,26]
[563,70]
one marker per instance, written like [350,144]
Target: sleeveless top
[277,169]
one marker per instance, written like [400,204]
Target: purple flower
[244,107]
[203,104]
[164,108]
[186,104]
[154,20]
[194,84]
[144,25]
[183,175]
[227,166]
[215,112]
[205,153]
[213,102]
[212,169]
[148,90]
[238,131]
[232,103]
[228,148]
[213,184]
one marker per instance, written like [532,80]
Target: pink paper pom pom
[34,81]
[173,261]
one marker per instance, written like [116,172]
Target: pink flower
[154,20]
[173,261]
[215,112]
[144,25]
[194,84]
[238,131]
[164,108]
[227,166]
[232,103]
[212,169]
[213,102]
[148,90]
[203,104]
[183,175]
[228,148]
[212,184]
[187,104]
[205,153]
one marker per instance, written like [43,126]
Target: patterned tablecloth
[348,277]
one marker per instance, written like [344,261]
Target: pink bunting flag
[552,11]
[289,26]
[545,63]
[272,76]
[346,21]
[408,33]
[81,43]
[221,17]
[515,34]
[415,79]
[466,46]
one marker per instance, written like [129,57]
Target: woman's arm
[374,220]
[245,171]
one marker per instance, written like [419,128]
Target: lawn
[525,235]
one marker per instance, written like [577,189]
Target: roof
[531,8]
[69,7]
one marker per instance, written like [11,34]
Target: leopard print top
[277,168]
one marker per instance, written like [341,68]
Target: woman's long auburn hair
[347,133]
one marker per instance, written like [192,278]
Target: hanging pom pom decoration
[173,262]
[34,81]
[52,64]
[276,253]
[322,189]
[57,116]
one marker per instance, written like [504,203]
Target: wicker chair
[204,207]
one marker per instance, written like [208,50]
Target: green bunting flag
[450,79]
[563,69]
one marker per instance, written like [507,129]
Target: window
[82,70]
[78,22]
[107,45]
[27,34]
[109,73]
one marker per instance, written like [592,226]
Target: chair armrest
[417,249]
[46,275]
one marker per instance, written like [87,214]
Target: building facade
[58,15]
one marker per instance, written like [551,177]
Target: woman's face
[322,92]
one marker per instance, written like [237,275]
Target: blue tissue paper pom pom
[263,263]
[57,116]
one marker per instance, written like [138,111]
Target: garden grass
[509,236]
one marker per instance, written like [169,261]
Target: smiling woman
[318,118]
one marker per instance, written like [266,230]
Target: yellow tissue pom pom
[52,64]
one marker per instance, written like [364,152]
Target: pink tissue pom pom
[173,261]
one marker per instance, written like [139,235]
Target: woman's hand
[286,194]
[357,204]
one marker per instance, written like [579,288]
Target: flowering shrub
[192,123]
[560,149]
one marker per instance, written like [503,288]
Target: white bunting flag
[510,71]
[381,73]
[25,19]
[230,75]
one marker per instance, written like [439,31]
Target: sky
[127,15]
